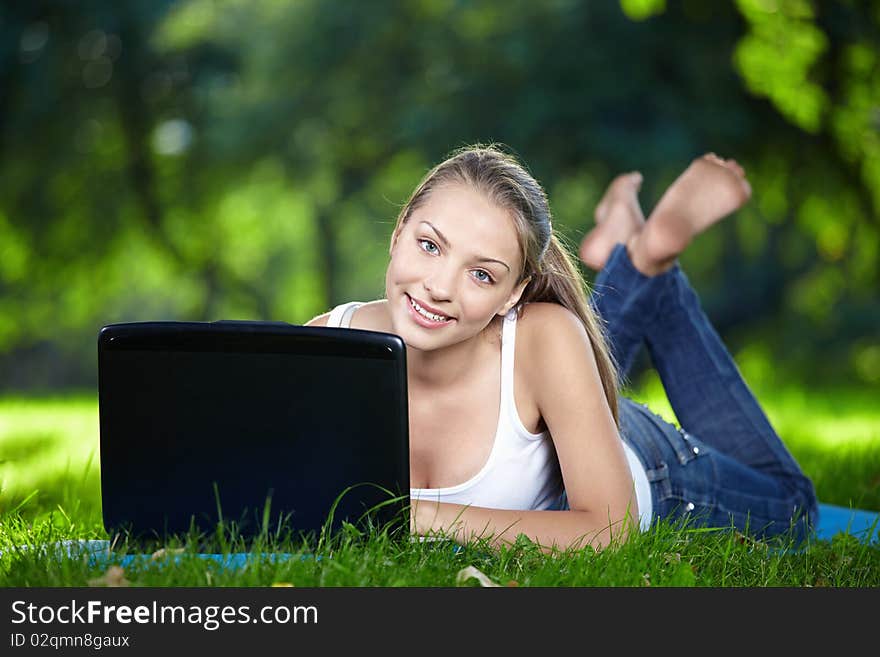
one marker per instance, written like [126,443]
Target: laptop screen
[202,421]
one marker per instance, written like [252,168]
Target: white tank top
[522,471]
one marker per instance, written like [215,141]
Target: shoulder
[552,346]
[539,311]
[544,325]
[320,320]
[371,316]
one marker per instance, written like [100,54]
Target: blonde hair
[550,266]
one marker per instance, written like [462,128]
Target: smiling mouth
[433,317]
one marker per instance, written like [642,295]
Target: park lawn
[49,471]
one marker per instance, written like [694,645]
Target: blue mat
[100,555]
[833,520]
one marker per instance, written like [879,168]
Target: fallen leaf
[164,552]
[467,573]
[281,584]
[114,577]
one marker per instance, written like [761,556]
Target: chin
[412,339]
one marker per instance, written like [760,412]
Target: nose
[440,282]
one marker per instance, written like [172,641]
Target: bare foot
[618,216]
[710,189]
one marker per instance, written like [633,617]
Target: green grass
[49,457]
[50,492]
[666,556]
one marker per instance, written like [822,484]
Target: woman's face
[454,266]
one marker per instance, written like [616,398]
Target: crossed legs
[645,298]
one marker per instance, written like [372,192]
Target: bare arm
[595,471]
[549,529]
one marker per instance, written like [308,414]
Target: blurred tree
[202,159]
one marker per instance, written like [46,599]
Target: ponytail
[559,281]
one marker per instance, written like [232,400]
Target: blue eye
[479,274]
[428,246]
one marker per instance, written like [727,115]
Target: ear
[514,297]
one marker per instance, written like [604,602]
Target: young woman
[515,422]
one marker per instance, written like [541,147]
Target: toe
[599,212]
[733,164]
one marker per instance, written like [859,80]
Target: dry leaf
[114,577]
[281,584]
[466,573]
[164,552]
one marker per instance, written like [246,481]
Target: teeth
[425,313]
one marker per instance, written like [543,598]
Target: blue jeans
[725,466]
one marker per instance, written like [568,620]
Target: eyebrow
[446,244]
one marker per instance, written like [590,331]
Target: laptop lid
[207,420]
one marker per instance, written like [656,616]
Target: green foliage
[218,158]
[639,10]
[776,56]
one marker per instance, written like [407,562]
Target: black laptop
[247,422]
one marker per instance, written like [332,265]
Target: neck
[445,367]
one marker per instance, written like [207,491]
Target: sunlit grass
[49,455]
[665,556]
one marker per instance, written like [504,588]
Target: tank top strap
[508,401]
[508,350]
[340,316]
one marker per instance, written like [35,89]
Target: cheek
[400,272]
[477,306]
[407,265]
[396,269]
